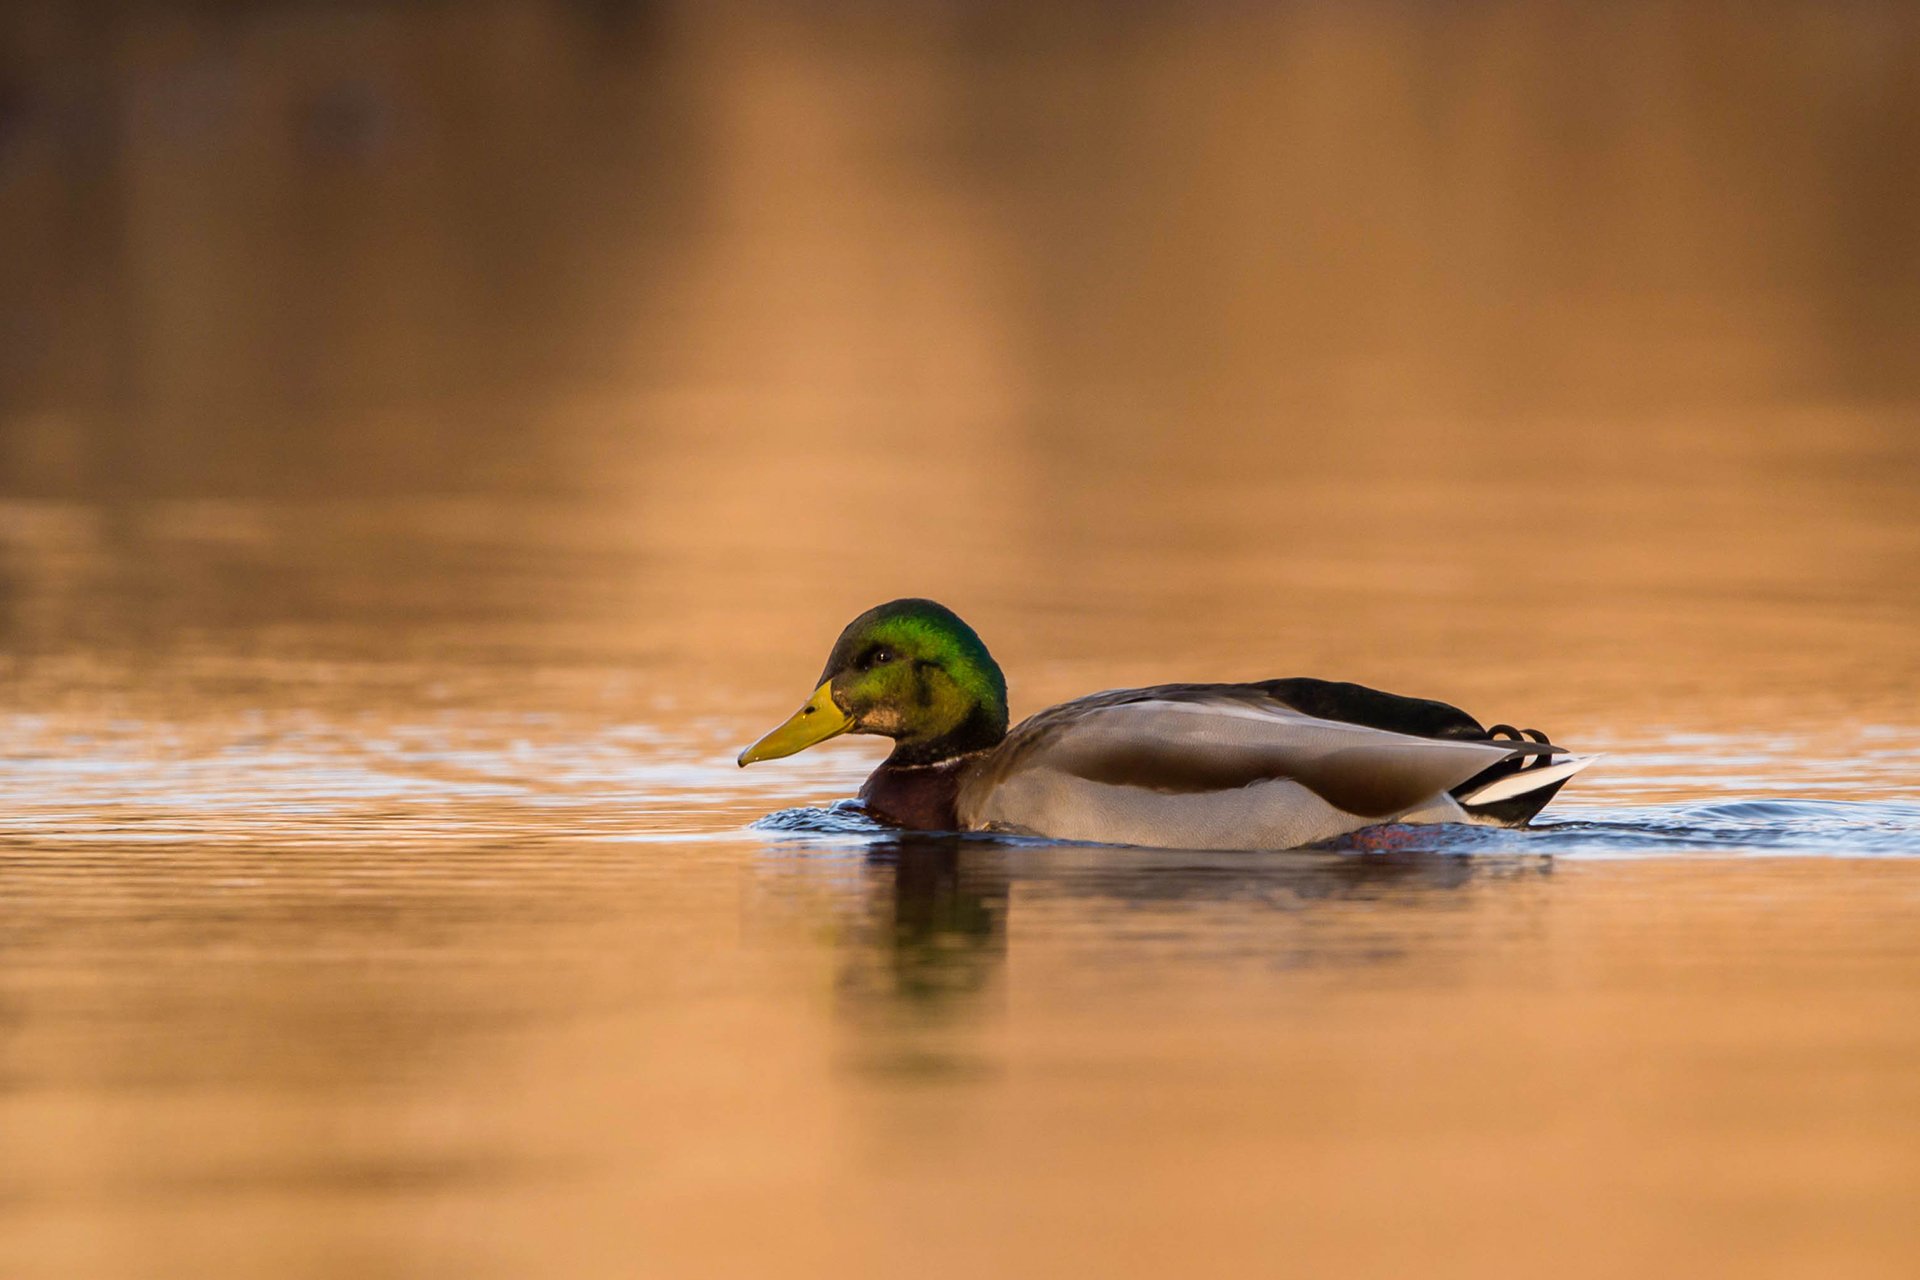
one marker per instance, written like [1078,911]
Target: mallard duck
[1273,764]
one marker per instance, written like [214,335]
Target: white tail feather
[1518,784]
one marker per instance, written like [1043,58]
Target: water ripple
[303,780]
[1760,826]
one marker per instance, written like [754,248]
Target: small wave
[841,818]
[1758,826]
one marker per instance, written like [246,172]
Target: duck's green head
[909,670]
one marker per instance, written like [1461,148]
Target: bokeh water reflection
[431,444]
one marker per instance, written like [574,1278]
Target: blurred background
[435,436]
[630,319]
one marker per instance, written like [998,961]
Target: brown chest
[917,798]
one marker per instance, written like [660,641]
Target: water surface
[462,948]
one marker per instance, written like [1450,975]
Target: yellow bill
[815,722]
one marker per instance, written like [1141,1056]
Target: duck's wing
[1219,766]
[1500,795]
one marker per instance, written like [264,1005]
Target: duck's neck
[919,797]
[917,787]
[981,730]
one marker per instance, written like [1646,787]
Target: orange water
[412,496]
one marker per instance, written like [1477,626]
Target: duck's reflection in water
[935,924]
[932,933]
